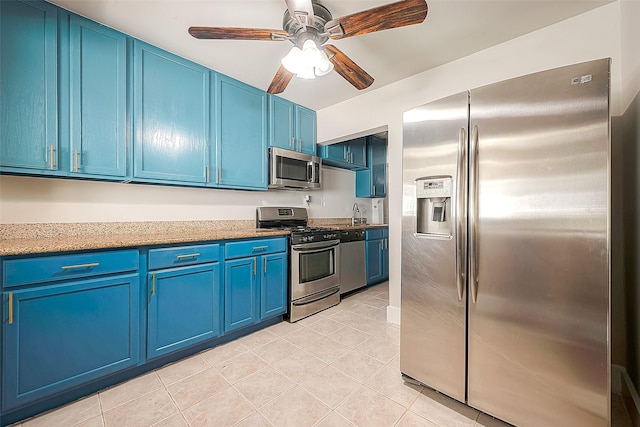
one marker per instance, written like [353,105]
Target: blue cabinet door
[334,152]
[347,155]
[385,259]
[306,130]
[28,86]
[240,293]
[281,123]
[358,152]
[372,181]
[273,285]
[171,116]
[375,266]
[98,99]
[184,307]
[60,336]
[241,131]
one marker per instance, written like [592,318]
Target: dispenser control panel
[434,217]
[430,188]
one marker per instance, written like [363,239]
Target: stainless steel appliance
[505,247]
[353,263]
[293,170]
[314,280]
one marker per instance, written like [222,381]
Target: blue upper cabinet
[306,133]
[241,135]
[171,116]
[372,182]
[281,123]
[347,155]
[291,126]
[28,87]
[98,99]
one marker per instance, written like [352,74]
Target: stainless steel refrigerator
[505,247]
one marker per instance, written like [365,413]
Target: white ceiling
[453,29]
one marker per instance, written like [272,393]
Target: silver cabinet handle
[206,173]
[473,218]
[260,248]
[153,283]
[193,255]
[79,266]
[300,145]
[51,151]
[293,142]
[76,160]
[461,196]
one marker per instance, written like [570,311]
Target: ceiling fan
[309,25]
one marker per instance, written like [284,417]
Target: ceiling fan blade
[301,11]
[348,69]
[280,81]
[233,33]
[393,15]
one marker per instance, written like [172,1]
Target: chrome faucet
[356,210]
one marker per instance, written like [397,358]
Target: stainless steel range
[314,279]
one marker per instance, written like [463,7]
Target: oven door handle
[314,247]
[316,297]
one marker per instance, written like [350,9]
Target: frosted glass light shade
[308,62]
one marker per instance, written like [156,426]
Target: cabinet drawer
[377,233]
[18,272]
[183,255]
[254,247]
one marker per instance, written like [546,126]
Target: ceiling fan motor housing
[299,32]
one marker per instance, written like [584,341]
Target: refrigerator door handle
[460,209]
[473,217]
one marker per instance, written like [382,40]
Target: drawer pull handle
[260,248]
[153,283]
[79,266]
[10,308]
[194,255]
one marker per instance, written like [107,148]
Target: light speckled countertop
[79,243]
[26,239]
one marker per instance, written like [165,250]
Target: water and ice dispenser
[434,214]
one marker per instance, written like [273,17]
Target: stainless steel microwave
[293,170]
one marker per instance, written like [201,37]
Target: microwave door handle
[310,172]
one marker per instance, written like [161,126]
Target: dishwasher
[353,274]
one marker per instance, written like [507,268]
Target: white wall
[35,200]
[593,35]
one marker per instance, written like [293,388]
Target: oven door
[315,267]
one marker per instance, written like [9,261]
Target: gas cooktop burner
[307,229]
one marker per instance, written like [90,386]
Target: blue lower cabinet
[377,251]
[240,293]
[184,307]
[273,290]
[64,335]
[256,279]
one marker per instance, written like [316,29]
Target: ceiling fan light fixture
[308,63]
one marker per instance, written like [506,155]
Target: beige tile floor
[337,368]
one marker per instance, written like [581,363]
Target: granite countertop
[28,239]
[103,240]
